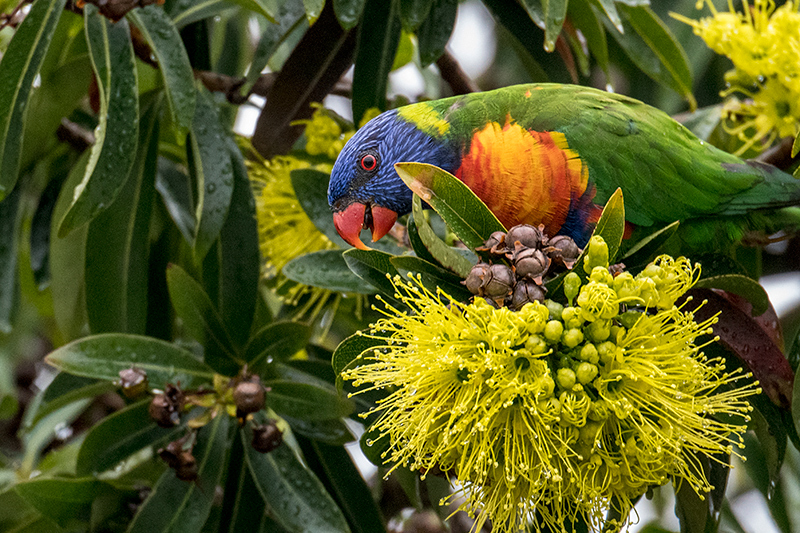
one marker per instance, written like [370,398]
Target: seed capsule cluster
[533,257]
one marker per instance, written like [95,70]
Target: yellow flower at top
[764,45]
[548,419]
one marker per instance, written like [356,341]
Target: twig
[779,155]
[75,135]
[454,75]
[9,19]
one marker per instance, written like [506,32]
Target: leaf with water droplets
[116,135]
[212,169]
[103,356]
[297,498]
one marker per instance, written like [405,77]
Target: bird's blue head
[365,191]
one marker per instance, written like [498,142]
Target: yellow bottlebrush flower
[544,420]
[763,43]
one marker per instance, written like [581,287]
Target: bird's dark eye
[369,162]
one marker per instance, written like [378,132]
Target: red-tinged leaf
[740,334]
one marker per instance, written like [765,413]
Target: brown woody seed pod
[187,466]
[524,235]
[165,408]
[249,396]
[563,250]
[478,277]
[495,244]
[531,264]
[526,291]
[266,437]
[501,283]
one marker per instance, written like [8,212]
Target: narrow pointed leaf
[173,62]
[18,68]
[465,213]
[117,247]
[414,12]
[443,253]
[373,266]
[120,435]
[313,9]
[644,250]
[435,31]
[195,11]
[239,258]
[610,10]
[177,506]
[583,17]
[61,500]
[433,276]
[116,135]
[276,341]
[348,12]
[10,219]
[213,173]
[377,46]
[202,320]
[290,16]
[555,11]
[66,389]
[268,8]
[297,498]
[611,226]
[326,269]
[311,188]
[653,48]
[306,401]
[745,287]
[351,348]
[103,356]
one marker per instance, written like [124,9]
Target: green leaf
[331,431]
[183,506]
[268,8]
[118,436]
[414,12]
[465,213]
[185,13]
[351,348]
[433,276]
[610,10]
[103,356]
[348,12]
[242,510]
[116,135]
[276,341]
[645,250]
[555,11]
[297,498]
[372,266]
[335,467]
[239,258]
[202,321]
[326,269]
[436,247]
[10,220]
[62,500]
[377,46]
[611,226]
[306,401]
[66,389]
[172,184]
[653,48]
[584,19]
[311,188]
[745,287]
[313,9]
[117,246]
[18,68]
[435,31]
[173,62]
[290,16]
[796,144]
[210,165]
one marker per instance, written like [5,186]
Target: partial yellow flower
[546,419]
[764,45]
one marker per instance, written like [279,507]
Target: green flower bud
[606,351]
[572,285]
[555,309]
[572,337]
[536,345]
[571,316]
[585,373]
[598,331]
[589,353]
[565,378]
[629,318]
[596,254]
[553,331]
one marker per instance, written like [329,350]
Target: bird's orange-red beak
[351,220]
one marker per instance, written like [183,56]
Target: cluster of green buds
[533,257]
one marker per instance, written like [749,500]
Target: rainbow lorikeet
[553,154]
